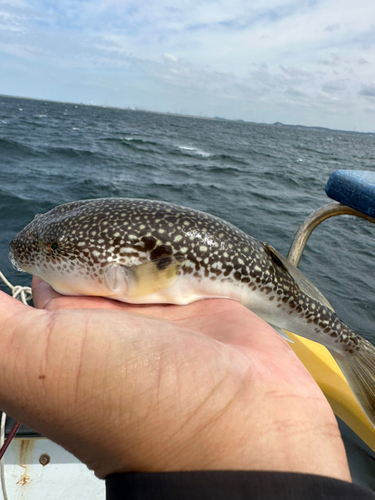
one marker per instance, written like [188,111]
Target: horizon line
[218,118]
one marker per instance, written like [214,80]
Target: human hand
[162,388]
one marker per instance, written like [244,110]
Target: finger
[45,297]
[43,293]
[222,319]
[236,326]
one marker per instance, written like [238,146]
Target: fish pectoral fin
[154,276]
[282,333]
[303,283]
[118,278]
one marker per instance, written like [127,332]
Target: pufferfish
[142,252]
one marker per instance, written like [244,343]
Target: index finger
[45,297]
[222,319]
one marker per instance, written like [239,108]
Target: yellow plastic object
[330,379]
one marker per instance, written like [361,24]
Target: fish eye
[52,247]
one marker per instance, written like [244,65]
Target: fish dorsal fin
[304,284]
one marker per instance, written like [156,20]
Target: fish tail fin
[358,368]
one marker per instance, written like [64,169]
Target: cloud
[365,39]
[169,58]
[367,90]
[181,73]
[332,27]
[335,86]
[282,57]
[296,72]
[334,60]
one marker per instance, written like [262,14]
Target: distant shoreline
[195,117]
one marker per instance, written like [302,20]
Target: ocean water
[266,179]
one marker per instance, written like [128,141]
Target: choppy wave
[194,151]
[12,148]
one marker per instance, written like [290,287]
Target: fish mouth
[15,264]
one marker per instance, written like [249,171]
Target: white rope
[24,294]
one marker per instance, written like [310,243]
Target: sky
[306,62]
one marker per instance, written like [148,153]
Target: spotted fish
[141,251]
